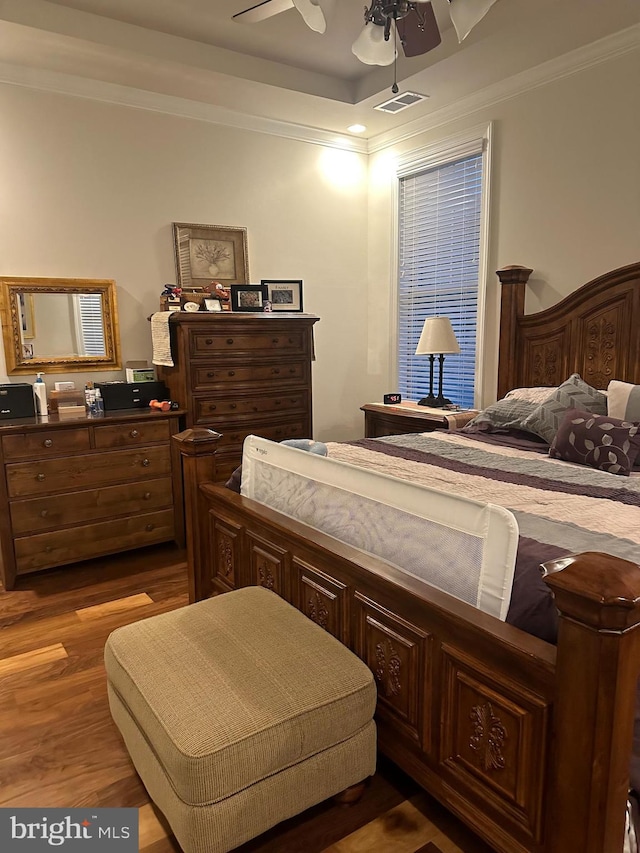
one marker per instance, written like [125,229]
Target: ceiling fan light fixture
[371,47]
[312,13]
[465,14]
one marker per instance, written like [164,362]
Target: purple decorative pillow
[599,441]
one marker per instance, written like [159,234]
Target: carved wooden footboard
[527,743]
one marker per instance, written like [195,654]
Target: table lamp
[437,338]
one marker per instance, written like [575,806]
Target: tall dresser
[240,374]
[77,489]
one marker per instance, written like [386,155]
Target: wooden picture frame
[283,294]
[206,253]
[247,297]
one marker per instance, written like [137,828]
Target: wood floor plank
[109,608]
[152,827]
[400,830]
[29,660]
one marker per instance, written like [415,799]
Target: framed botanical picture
[206,253]
[283,294]
[247,297]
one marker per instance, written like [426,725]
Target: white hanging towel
[161,339]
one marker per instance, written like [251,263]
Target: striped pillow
[623,401]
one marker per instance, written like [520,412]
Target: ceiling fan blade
[418,31]
[262,11]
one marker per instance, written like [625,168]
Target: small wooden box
[70,398]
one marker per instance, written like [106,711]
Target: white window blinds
[440,213]
[91,324]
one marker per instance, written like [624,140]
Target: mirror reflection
[59,324]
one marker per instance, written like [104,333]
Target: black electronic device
[131,395]
[16,401]
[392,399]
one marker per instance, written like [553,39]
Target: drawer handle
[40,478]
[149,527]
[290,340]
[44,513]
[210,374]
[233,406]
[208,341]
[229,341]
[231,373]
[147,496]
[292,370]
[48,548]
[279,432]
[134,433]
[212,407]
[47,442]
[278,402]
[275,340]
[145,463]
[275,370]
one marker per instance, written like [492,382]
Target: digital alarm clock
[391,399]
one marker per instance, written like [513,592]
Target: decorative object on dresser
[383,419]
[85,488]
[204,252]
[241,374]
[283,294]
[437,338]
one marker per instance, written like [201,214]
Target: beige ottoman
[239,712]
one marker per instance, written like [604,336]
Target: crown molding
[570,63]
[573,62]
[113,93]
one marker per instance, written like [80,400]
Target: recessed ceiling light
[356,128]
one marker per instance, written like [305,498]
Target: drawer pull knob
[275,370]
[233,406]
[40,477]
[44,513]
[278,402]
[145,463]
[48,442]
[232,373]
[229,341]
[48,549]
[212,407]
[210,374]
[134,433]
[147,496]
[208,341]
[275,340]
[149,527]
[292,370]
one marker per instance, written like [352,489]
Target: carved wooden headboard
[595,331]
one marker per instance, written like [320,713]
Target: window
[440,247]
[90,325]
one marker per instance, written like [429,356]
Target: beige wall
[90,190]
[565,191]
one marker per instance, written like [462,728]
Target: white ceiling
[279,69]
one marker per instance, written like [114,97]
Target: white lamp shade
[465,14]
[312,14]
[437,337]
[371,48]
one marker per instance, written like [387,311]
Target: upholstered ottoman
[239,712]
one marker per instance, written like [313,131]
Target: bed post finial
[511,310]
[598,597]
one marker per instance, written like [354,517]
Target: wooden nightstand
[410,417]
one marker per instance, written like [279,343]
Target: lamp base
[434,402]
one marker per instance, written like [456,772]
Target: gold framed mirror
[59,325]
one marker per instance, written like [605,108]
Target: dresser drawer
[34,515]
[87,470]
[45,550]
[219,410]
[234,435]
[131,434]
[256,343]
[42,444]
[231,376]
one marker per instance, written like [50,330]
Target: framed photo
[213,304]
[206,253]
[247,297]
[283,294]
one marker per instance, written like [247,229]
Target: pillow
[598,441]
[574,393]
[503,415]
[535,395]
[623,401]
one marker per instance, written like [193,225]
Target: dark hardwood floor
[61,748]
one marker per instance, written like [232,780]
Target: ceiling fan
[414,23]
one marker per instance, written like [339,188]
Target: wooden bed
[527,742]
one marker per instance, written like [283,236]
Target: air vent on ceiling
[401,102]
